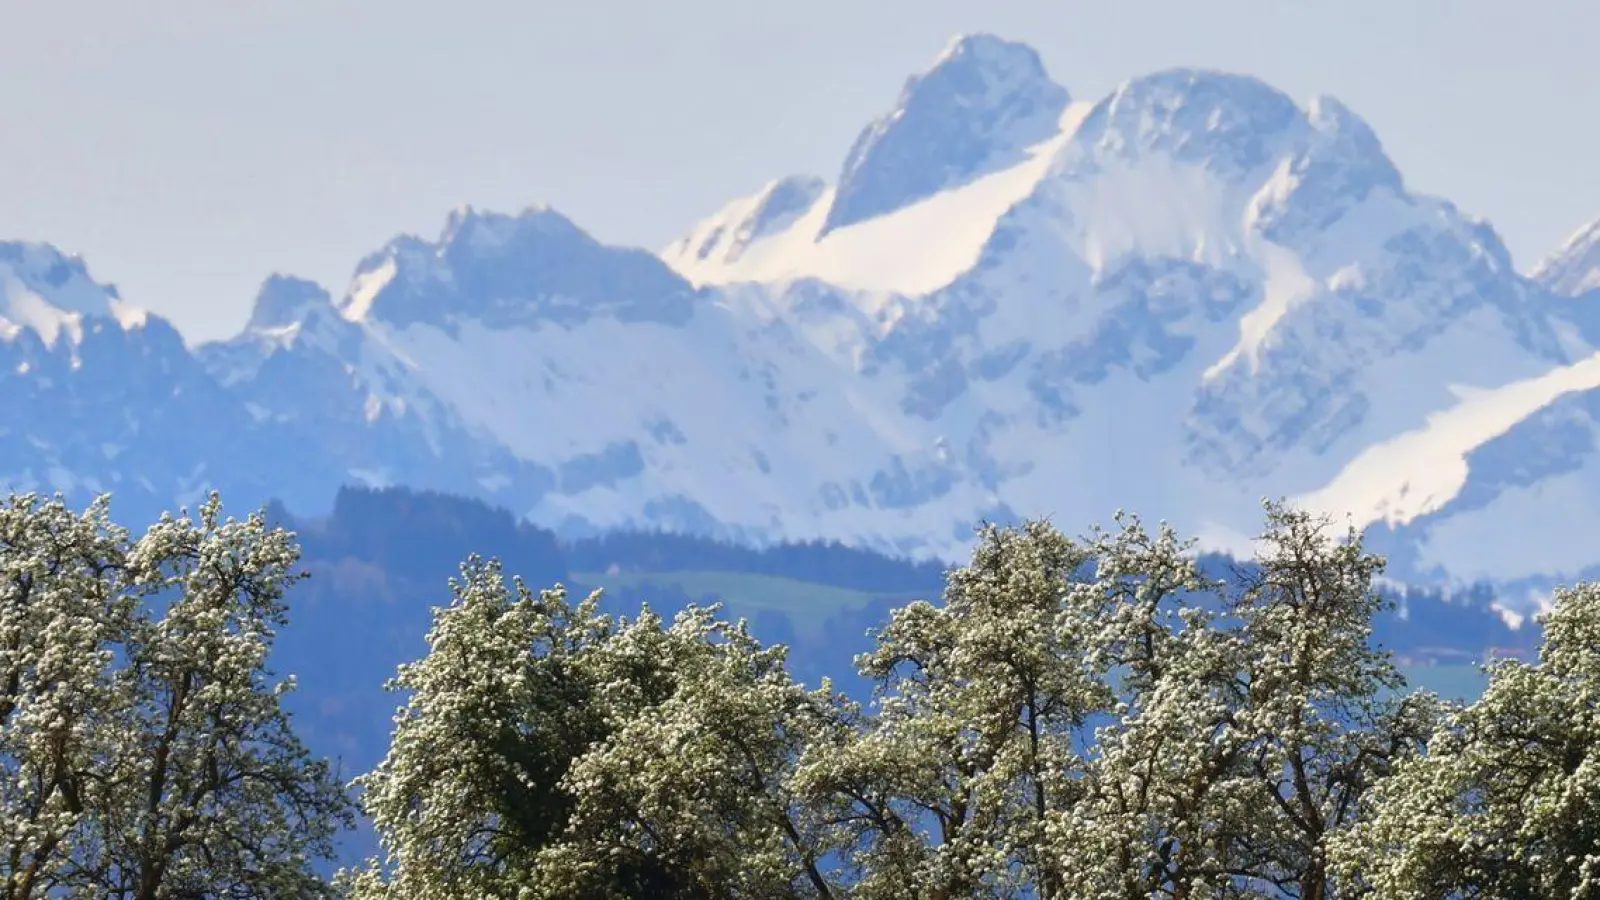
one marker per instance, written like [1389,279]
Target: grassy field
[808,605]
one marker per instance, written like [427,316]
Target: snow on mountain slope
[1522,516]
[981,105]
[585,386]
[1574,269]
[1178,298]
[920,190]
[1572,275]
[1418,472]
[50,294]
[326,381]
[917,249]
[1195,282]
[1505,487]
[721,241]
[100,397]
[1194,288]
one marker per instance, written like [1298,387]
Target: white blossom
[1506,801]
[144,751]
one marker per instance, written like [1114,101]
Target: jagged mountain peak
[1330,116]
[1338,132]
[501,269]
[1336,165]
[1236,127]
[471,230]
[1232,124]
[61,279]
[723,238]
[285,300]
[1238,287]
[980,106]
[1574,269]
[49,293]
[1196,241]
[994,54]
[1352,132]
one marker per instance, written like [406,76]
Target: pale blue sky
[187,148]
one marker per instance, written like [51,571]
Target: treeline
[1098,717]
[420,537]
[820,562]
[380,560]
[1073,719]
[400,528]
[422,534]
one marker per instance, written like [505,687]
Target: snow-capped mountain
[517,358]
[1177,299]
[1516,471]
[1195,282]
[102,396]
[984,102]
[1574,270]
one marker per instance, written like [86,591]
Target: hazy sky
[187,148]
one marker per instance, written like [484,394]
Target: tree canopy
[1092,718]
[1074,718]
[144,752]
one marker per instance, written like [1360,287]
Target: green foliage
[143,750]
[547,750]
[1091,719]
[1506,803]
[983,703]
[1249,721]
[1073,720]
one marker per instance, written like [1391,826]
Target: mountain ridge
[1179,297]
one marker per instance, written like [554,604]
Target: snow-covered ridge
[1575,268]
[535,265]
[979,108]
[1177,298]
[1419,472]
[1352,307]
[51,294]
[914,250]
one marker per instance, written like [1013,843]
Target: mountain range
[1009,302]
